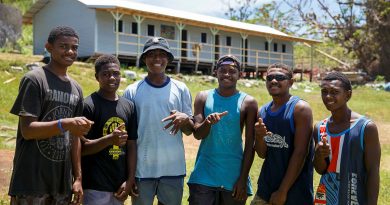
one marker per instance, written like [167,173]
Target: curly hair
[103,60]
[335,75]
[61,31]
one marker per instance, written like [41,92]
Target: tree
[362,27]
[241,11]
[10,24]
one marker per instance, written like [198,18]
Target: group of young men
[107,147]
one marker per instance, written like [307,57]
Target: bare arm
[322,152]
[76,166]
[372,155]
[132,163]
[260,133]
[302,118]
[249,110]
[33,129]
[201,127]
[117,137]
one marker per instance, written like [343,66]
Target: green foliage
[302,55]
[380,79]
[22,5]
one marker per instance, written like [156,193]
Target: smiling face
[156,61]
[63,50]
[278,82]
[227,76]
[334,95]
[109,78]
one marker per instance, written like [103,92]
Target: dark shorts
[45,199]
[205,195]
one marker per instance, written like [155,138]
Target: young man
[347,149]
[109,154]
[164,112]
[283,139]
[48,104]
[221,169]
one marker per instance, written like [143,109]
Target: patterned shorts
[46,199]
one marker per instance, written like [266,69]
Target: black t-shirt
[44,166]
[107,169]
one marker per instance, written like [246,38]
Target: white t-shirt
[159,153]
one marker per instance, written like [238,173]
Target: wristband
[59,125]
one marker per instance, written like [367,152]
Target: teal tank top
[220,155]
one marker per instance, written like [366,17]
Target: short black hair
[282,66]
[103,60]
[335,75]
[61,31]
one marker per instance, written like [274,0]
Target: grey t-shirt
[44,166]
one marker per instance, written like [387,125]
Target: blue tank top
[220,155]
[280,147]
[345,179]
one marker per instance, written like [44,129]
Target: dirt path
[6,157]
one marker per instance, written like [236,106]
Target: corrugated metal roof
[179,15]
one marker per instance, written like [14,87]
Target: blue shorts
[92,197]
[169,191]
[205,195]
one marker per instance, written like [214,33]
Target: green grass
[365,100]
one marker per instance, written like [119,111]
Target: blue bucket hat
[157,43]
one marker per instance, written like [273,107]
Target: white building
[121,27]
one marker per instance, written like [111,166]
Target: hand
[77,126]
[177,121]
[278,198]
[214,118]
[322,149]
[119,136]
[133,187]
[239,190]
[77,190]
[261,130]
[127,187]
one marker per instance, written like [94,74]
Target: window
[150,30]
[228,41]
[283,48]
[266,45]
[134,28]
[203,38]
[120,26]
[275,47]
[167,32]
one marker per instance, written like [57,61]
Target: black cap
[229,60]
[157,43]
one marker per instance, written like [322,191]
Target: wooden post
[180,26]
[269,40]
[117,17]
[257,64]
[244,36]
[214,32]
[139,20]
[311,61]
